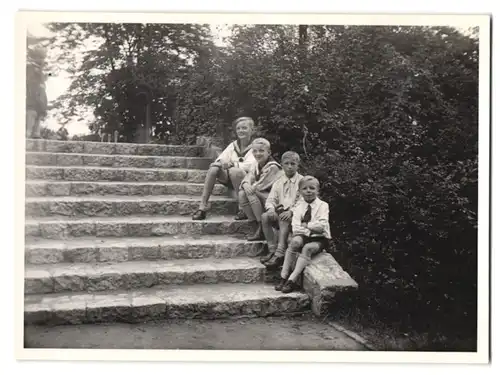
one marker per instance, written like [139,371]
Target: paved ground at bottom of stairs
[277,333]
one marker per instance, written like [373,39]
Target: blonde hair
[249,120]
[290,155]
[261,141]
[307,179]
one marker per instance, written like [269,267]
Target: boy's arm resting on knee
[248,179]
[225,156]
[261,195]
[272,200]
[320,222]
[316,227]
[297,227]
[301,231]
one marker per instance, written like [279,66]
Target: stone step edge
[43,144]
[56,141]
[135,219]
[154,304]
[132,169]
[133,226]
[111,198]
[59,188]
[122,207]
[125,156]
[94,173]
[105,182]
[94,277]
[130,249]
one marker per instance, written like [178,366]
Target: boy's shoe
[258,235]
[200,215]
[266,258]
[280,286]
[290,287]
[275,262]
[240,216]
[264,251]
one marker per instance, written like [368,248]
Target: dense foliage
[124,67]
[386,117]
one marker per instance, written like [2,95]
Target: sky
[57,85]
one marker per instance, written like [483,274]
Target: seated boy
[311,232]
[283,196]
[255,187]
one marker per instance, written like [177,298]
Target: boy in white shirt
[282,198]
[311,233]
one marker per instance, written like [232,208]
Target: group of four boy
[276,197]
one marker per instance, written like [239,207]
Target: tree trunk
[303,38]
[148,121]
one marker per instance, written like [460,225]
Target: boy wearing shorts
[311,233]
[282,198]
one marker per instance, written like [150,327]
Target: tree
[125,68]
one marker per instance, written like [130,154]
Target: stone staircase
[109,238]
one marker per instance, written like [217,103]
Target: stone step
[103,206]
[36,188]
[95,277]
[112,249]
[134,226]
[42,145]
[88,173]
[203,301]
[117,161]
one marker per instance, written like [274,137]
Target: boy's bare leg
[245,206]
[291,256]
[283,237]
[208,187]
[268,218]
[236,175]
[257,210]
[279,256]
[308,251]
[213,173]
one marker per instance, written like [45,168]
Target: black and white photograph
[210,184]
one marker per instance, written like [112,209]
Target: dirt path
[283,333]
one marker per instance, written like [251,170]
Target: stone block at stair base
[323,279]
[115,273]
[207,301]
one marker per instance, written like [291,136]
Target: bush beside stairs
[109,238]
